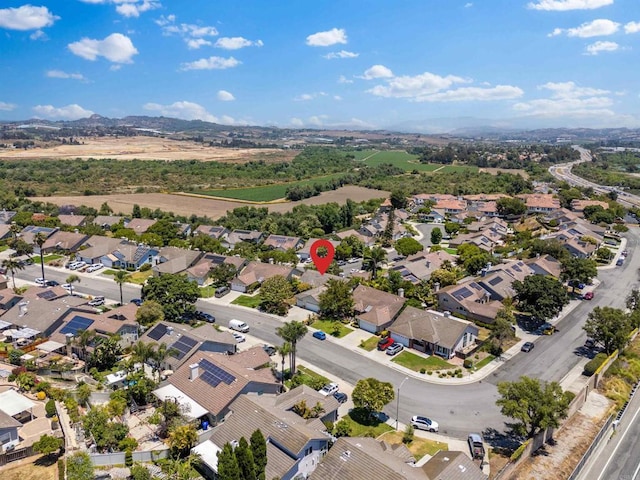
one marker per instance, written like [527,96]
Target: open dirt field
[24,470]
[213,208]
[494,171]
[147,148]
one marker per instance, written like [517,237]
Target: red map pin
[322,263]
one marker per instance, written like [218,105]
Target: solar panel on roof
[214,372]
[495,281]
[464,292]
[47,294]
[157,332]
[75,324]
[183,346]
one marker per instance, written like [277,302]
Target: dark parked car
[207,317]
[341,397]
[51,283]
[527,347]
[270,349]
[136,301]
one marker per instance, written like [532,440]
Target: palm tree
[83,340]
[160,355]
[71,279]
[143,351]
[373,258]
[292,332]
[283,350]
[39,239]
[12,266]
[120,277]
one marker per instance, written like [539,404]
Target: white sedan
[424,423]
[239,337]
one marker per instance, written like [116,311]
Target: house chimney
[23,308]
[401,292]
[194,371]
[436,287]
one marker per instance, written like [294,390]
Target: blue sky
[415,65]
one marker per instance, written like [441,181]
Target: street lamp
[398,401]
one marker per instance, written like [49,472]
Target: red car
[588,296]
[385,343]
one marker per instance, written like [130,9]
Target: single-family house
[481,198]
[366,240]
[6,216]
[434,333]
[9,426]
[97,247]
[495,224]
[129,256]
[499,282]
[5,231]
[64,242]
[139,225]
[175,260]
[212,382]
[107,221]
[451,207]
[73,220]
[231,239]
[283,243]
[487,240]
[184,229]
[213,231]
[200,271]
[578,205]
[184,341]
[374,309]
[468,300]
[295,446]
[540,202]
[14,407]
[28,234]
[434,216]
[305,251]
[449,465]
[254,273]
[545,265]
[421,265]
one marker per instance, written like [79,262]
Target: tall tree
[12,266]
[285,351]
[160,355]
[609,327]
[39,240]
[259,451]
[175,293]
[535,405]
[541,296]
[274,293]
[181,439]
[408,246]
[292,332]
[120,278]
[244,456]
[583,270]
[373,257]
[82,341]
[398,199]
[228,468]
[372,394]
[71,279]
[336,302]
[436,236]
[142,351]
[502,327]
[149,313]
[48,445]
[79,467]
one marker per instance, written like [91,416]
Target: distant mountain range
[441,129]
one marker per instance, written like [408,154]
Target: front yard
[248,301]
[47,258]
[417,363]
[369,344]
[419,447]
[306,376]
[362,426]
[333,328]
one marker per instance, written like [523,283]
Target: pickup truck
[476,446]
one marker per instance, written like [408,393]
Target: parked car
[527,347]
[239,337]
[329,389]
[340,397]
[395,348]
[97,301]
[385,343]
[94,268]
[424,423]
[588,296]
[40,281]
[590,343]
[67,286]
[620,261]
[476,446]
[221,291]
[136,301]
[320,335]
[207,317]
[52,283]
[238,325]
[270,349]
[625,253]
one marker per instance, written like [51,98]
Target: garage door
[400,339]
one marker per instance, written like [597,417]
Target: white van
[238,325]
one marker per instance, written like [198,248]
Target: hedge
[593,365]
[519,451]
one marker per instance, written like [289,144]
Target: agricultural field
[403,160]
[265,193]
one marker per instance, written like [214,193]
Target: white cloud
[568,100]
[596,28]
[61,74]
[38,35]
[193,35]
[564,5]
[225,96]
[212,63]
[377,71]
[296,122]
[128,8]
[601,46]
[318,121]
[343,79]
[341,54]
[70,112]
[338,98]
[632,27]
[26,17]
[116,48]
[328,38]
[195,43]
[474,94]
[6,107]
[468,5]
[235,43]
[415,87]
[188,111]
[305,97]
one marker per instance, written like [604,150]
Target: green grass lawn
[139,278]
[452,251]
[484,362]
[361,426]
[416,362]
[370,344]
[4,247]
[247,301]
[309,377]
[419,447]
[109,272]
[266,193]
[335,329]
[47,258]
[207,292]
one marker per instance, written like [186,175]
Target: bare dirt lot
[24,470]
[147,148]
[201,206]
[495,171]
